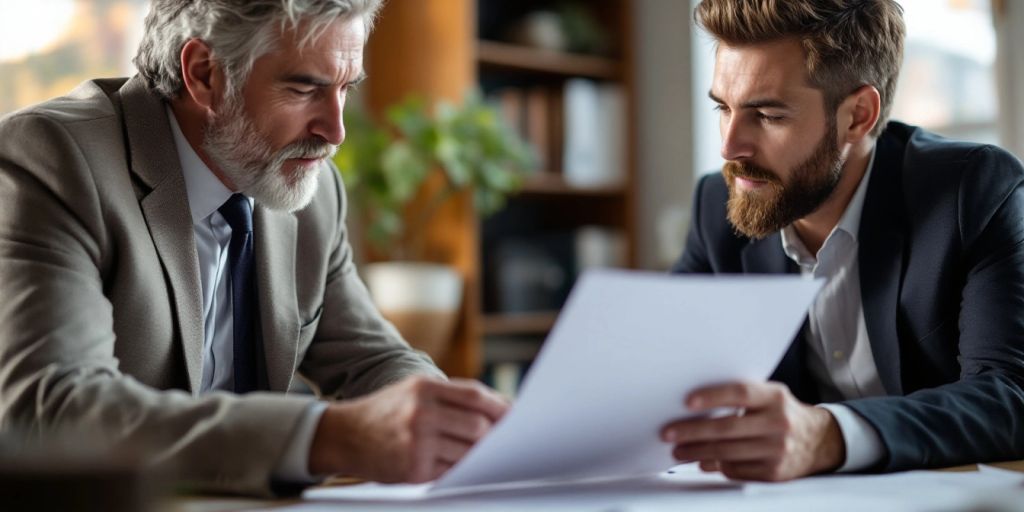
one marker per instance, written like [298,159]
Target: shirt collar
[848,223]
[206,193]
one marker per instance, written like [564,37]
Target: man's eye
[769,118]
[303,92]
[722,108]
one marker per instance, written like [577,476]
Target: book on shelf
[538,123]
[594,119]
[578,129]
[505,378]
[507,359]
[510,104]
[529,272]
[600,247]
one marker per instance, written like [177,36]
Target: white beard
[235,146]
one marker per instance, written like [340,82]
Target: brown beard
[775,205]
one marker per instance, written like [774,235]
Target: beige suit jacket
[100,305]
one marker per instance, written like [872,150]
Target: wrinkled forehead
[334,57]
[344,36]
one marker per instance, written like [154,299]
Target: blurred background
[572,137]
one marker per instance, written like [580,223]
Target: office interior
[606,102]
[606,99]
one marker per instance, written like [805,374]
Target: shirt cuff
[294,465]
[863,445]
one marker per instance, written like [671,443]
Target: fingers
[448,418]
[434,456]
[450,450]
[765,471]
[777,438]
[421,427]
[439,469]
[755,424]
[464,409]
[462,424]
[731,451]
[737,394]
[470,394]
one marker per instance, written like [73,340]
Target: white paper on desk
[688,489]
[625,351]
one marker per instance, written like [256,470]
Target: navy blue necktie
[238,212]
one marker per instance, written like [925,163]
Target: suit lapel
[275,280]
[766,256]
[154,161]
[881,261]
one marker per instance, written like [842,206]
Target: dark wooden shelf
[523,58]
[552,183]
[504,324]
[529,86]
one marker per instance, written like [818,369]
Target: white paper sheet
[626,350]
[684,478]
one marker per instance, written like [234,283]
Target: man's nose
[736,144]
[329,123]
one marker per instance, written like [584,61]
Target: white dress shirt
[206,194]
[840,358]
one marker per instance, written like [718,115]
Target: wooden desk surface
[216,504]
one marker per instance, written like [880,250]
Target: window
[948,81]
[48,47]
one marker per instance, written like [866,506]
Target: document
[626,350]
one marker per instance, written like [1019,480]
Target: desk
[224,504]
[1013,465]
[218,504]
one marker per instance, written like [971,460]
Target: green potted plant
[384,166]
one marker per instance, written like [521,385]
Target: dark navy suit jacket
[941,255]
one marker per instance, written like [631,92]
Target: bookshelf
[540,232]
[499,55]
[552,184]
[515,324]
[443,49]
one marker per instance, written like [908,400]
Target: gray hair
[238,33]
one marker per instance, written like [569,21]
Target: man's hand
[412,431]
[775,437]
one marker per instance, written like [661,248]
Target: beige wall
[665,138]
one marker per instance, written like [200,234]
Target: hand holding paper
[411,431]
[626,350]
[776,437]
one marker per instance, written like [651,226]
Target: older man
[173,254]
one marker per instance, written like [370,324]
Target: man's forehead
[344,38]
[774,69]
[338,49]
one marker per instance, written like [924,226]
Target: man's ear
[859,112]
[202,77]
